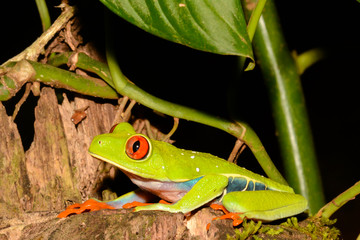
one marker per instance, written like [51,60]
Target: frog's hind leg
[265,205]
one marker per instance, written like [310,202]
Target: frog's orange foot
[237,220]
[88,206]
[138,204]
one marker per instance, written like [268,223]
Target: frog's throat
[168,190]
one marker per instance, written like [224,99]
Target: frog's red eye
[137,147]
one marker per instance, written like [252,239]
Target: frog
[186,180]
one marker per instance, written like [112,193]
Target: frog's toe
[88,206]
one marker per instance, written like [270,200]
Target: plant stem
[64,79]
[55,77]
[254,19]
[309,58]
[335,204]
[44,14]
[289,110]
[84,62]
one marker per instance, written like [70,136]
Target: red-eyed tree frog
[187,179]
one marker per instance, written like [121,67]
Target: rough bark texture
[14,183]
[48,159]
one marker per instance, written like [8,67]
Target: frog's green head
[131,152]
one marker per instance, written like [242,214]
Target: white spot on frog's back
[182,5]
[192,157]
[197,169]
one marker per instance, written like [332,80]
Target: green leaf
[216,26]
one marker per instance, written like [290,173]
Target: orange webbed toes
[237,220]
[88,206]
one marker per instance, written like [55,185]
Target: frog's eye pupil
[137,147]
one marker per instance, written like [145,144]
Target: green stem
[330,208]
[44,14]
[25,71]
[254,19]
[309,58]
[64,79]
[84,62]
[289,109]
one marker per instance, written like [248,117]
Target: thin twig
[22,100]
[33,51]
[150,133]
[172,131]
[237,150]
[127,113]
[335,204]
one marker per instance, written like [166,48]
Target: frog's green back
[182,165]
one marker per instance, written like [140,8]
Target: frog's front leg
[265,204]
[138,195]
[205,190]
[95,205]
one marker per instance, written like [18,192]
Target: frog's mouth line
[128,172]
